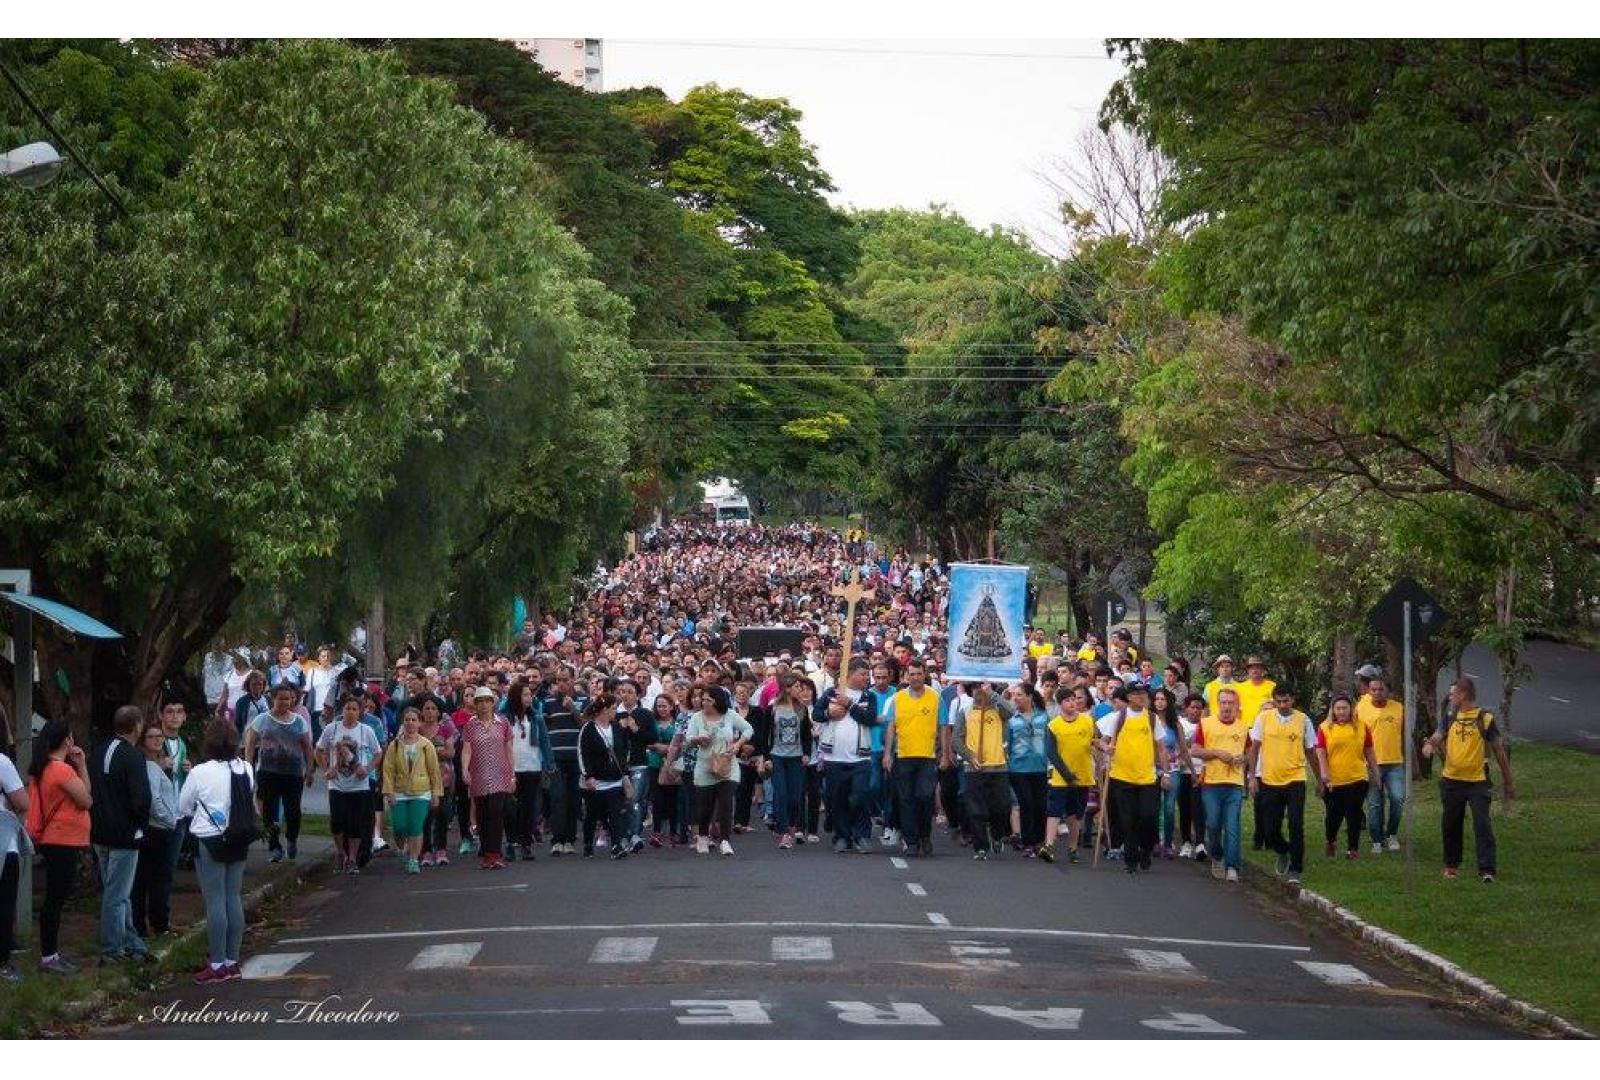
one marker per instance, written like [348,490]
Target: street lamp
[31,166]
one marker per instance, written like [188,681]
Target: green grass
[1535,933]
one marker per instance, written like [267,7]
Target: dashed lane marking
[802,948]
[937,919]
[915,890]
[271,965]
[435,957]
[1157,962]
[897,862]
[797,924]
[1339,974]
[1563,700]
[470,888]
[623,950]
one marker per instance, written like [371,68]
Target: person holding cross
[843,719]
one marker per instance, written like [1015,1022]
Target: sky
[909,122]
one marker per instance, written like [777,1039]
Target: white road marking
[623,950]
[1156,962]
[1591,736]
[1472,674]
[1188,1023]
[802,948]
[1339,974]
[937,919]
[457,955]
[793,924]
[915,890]
[891,1014]
[271,965]
[1043,1019]
[470,888]
[982,956]
[897,862]
[1563,700]
[709,1011]
[976,948]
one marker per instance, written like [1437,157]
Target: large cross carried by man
[853,594]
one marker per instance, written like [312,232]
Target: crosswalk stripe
[455,955]
[1339,974]
[937,919]
[979,950]
[897,862]
[1158,962]
[623,950]
[270,965]
[915,889]
[802,948]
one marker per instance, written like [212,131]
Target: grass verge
[1535,933]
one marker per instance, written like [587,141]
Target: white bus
[724,503]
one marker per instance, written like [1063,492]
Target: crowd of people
[632,723]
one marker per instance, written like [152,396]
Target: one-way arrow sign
[1388,614]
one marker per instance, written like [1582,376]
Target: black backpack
[243,827]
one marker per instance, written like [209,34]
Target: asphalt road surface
[1556,704]
[801,944]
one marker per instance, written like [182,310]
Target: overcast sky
[908,123]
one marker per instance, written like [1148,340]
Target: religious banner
[987,642]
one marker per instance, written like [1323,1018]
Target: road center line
[915,890]
[897,862]
[1020,931]
[937,919]
[1563,700]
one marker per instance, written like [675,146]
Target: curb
[1396,947]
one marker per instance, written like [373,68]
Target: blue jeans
[641,796]
[848,786]
[1391,786]
[1223,803]
[1169,810]
[117,935]
[222,888]
[788,792]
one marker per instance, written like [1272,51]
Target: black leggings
[152,882]
[665,816]
[716,803]
[813,800]
[749,780]
[1030,791]
[277,790]
[1346,805]
[526,808]
[436,824]
[60,874]
[1191,811]
[10,878]
[491,821]
[988,808]
[604,805]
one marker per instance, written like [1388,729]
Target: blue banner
[985,622]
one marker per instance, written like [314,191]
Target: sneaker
[11,975]
[981,855]
[441,859]
[1352,855]
[276,855]
[702,846]
[1200,852]
[379,844]
[1327,849]
[485,862]
[427,859]
[1047,854]
[890,837]
[1487,879]
[840,847]
[294,849]
[352,870]
[813,838]
[1217,871]
[1377,848]
[210,974]
[1282,866]
[1233,876]
[555,850]
[465,849]
[1186,851]
[1393,843]
[619,852]
[570,850]
[1072,856]
[58,965]
[786,842]
[233,971]
[511,853]
[1294,879]
[1114,854]
[1451,873]
[726,848]
[413,866]
[638,845]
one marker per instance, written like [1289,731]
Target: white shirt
[842,736]
[210,785]
[525,756]
[10,781]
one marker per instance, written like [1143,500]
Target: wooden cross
[853,593]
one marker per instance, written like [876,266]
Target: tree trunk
[1344,663]
[377,656]
[1144,618]
[1508,643]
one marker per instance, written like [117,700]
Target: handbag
[627,779]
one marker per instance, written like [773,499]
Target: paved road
[804,944]
[1556,705]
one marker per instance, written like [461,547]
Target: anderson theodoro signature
[328,1010]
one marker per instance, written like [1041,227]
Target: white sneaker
[1186,851]
[1200,851]
[702,845]
[726,848]
[1377,848]
[378,844]
[1233,875]
[1393,843]
[891,837]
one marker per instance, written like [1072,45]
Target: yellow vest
[1388,727]
[1074,745]
[986,736]
[916,723]
[1464,757]
[1133,760]
[1215,735]
[1283,748]
[1252,696]
[1345,745]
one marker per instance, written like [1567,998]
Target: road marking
[623,950]
[975,949]
[709,1011]
[794,924]
[915,890]
[981,955]
[1043,1019]
[802,948]
[1472,674]
[471,888]
[937,919]
[1339,974]
[1156,962]
[897,862]
[1563,700]
[1591,736]
[433,957]
[271,965]
[890,1014]
[1188,1023]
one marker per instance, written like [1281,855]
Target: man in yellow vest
[1279,739]
[980,742]
[908,756]
[1386,719]
[1136,741]
[1220,742]
[1465,732]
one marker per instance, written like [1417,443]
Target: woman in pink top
[486,764]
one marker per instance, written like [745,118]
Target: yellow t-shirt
[986,736]
[1345,745]
[1464,752]
[1074,745]
[1215,735]
[1133,760]
[1282,759]
[1088,653]
[1388,727]
[916,723]
[1252,696]
[1043,648]
[1211,698]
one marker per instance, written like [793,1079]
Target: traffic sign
[1388,614]
[1110,605]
